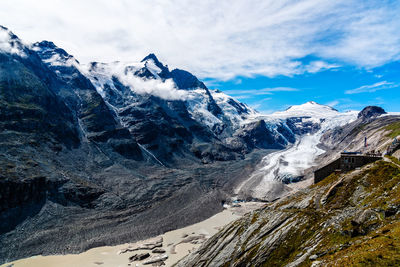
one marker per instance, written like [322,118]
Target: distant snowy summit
[308,109]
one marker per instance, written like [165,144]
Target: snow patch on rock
[9,43]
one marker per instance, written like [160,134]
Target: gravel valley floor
[174,245]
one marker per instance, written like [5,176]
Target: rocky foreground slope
[350,219]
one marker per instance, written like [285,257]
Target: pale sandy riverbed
[172,242]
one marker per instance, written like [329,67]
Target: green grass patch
[382,173]
[327,181]
[382,180]
[394,159]
[394,129]
[381,248]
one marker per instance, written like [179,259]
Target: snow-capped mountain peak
[154,60]
[10,43]
[53,55]
[308,109]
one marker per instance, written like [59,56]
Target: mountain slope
[335,222]
[348,219]
[169,112]
[29,104]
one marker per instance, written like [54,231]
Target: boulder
[139,257]
[155,259]
[158,250]
[149,244]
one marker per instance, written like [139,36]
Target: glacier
[288,165]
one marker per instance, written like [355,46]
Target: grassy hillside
[351,219]
[394,129]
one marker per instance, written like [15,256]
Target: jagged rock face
[258,135]
[338,222]
[28,105]
[164,69]
[95,118]
[371,112]
[164,127]
[171,127]
[185,80]
[301,125]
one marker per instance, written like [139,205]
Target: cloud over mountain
[219,39]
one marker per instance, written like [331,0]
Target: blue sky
[344,88]
[268,53]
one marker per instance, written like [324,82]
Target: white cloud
[216,39]
[241,97]
[318,65]
[262,95]
[333,103]
[7,45]
[163,89]
[372,88]
[103,74]
[260,105]
[237,81]
[56,60]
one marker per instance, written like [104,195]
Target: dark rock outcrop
[139,257]
[259,135]
[95,118]
[306,127]
[370,112]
